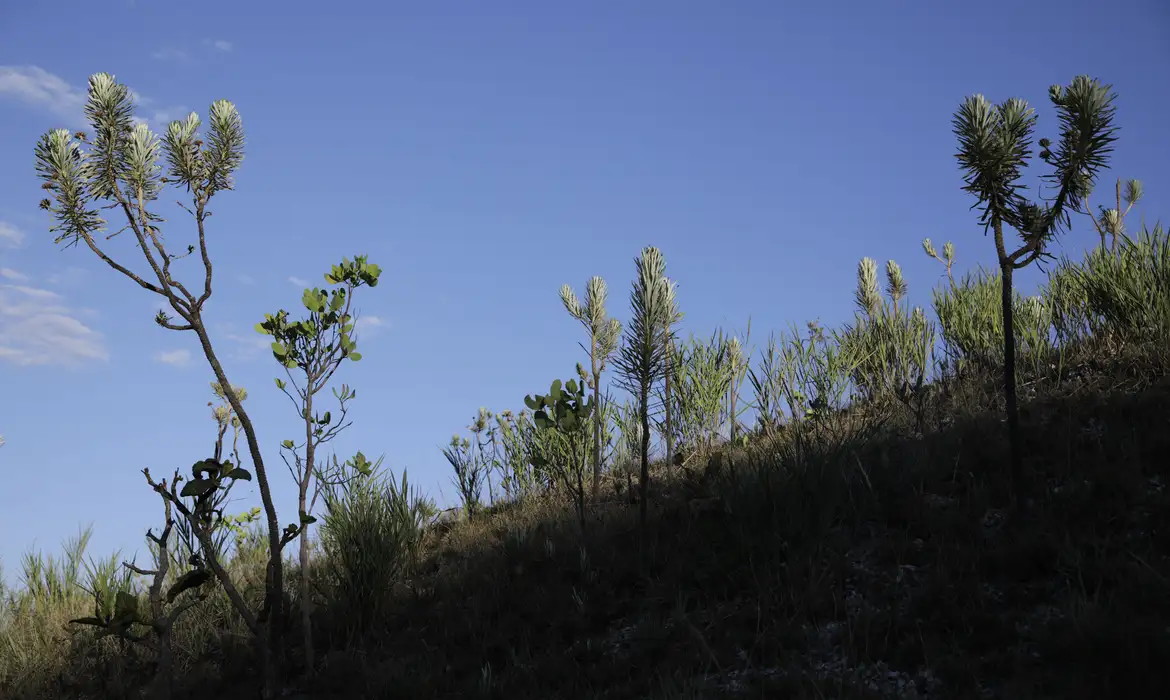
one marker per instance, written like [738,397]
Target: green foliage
[889,344]
[48,580]
[995,145]
[767,382]
[604,332]
[1111,222]
[325,336]
[970,314]
[644,356]
[565,408]
[703,374]
[1119,294]
[565,411]
[605,414]
[118,621]
[604,336]
[814,372]
[510,456]
[124,160]
[371,535]
[739,361]
[471,471]
[628,425]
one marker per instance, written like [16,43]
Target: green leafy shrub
[566,411]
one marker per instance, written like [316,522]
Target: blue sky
[484,154]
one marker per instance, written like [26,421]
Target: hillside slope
[866,562]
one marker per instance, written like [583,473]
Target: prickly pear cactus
[565,408]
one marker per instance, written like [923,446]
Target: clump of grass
[1115,294]
[970,313]
[371,536]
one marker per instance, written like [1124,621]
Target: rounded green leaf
[126,607]
[239,473]
[205,466]
[197,487]
[355,356]
[189,580]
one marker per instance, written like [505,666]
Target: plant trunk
[581,489]
[164,671]
[644,485]
[303,548]
[269,649]
[731,401]
[1113,248]
[1009,378]
[666,405]
[596,423]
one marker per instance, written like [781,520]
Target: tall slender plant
[995,143]
[604,336]
[123,169]
[315,348]
[768,389]
[1111,222]
[643,356]
[673,316]
[739,360]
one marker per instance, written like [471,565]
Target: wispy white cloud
[175,358]
[221,45]
[244,278]
[245,346]
[38,328]
[9,274]
[10,236]
[171,54]
[38,87]
[368,325]
[69,278]
[298,281]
